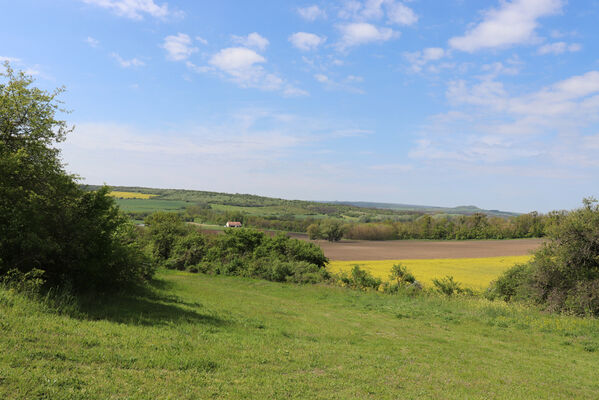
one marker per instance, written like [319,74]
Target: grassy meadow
[150,205]
[475,273]
[195,336]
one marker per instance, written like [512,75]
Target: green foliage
[314,232]
[359,279]
[512,284]
[78,238]
[564,273]
[400,273]
[448,286]
[163,229]
[240,251]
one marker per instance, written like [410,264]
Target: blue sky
[492,103]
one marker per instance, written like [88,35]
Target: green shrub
[359,279]
[564,273]
[513,284]
[448,286]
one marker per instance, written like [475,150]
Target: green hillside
[200,337]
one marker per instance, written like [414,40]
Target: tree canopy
[47,222]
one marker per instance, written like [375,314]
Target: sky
[456,102]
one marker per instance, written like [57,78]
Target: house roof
[236,223]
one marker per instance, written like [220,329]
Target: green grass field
[151,205]
[201,337]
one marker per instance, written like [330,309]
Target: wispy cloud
[359,33]
[559,48]
[245,67]
[253,40]
[306,41]
[311,13]
[133,62]
[178,47]
[512,23]
[92,42]
[135,9]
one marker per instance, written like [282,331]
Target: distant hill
[176,199]
[459,210]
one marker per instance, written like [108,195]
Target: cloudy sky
[493,103]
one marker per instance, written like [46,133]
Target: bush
[563,274]
[513,284]
[448,286]
[359,279]
[400,273]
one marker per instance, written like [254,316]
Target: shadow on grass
[142,305]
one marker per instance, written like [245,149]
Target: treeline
[463,227]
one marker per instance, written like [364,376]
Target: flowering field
[475,273]
[131,195]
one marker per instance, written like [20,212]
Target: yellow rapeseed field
[132,195]
[475,273]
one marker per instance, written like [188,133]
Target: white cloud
[244,67]
[253,40]
[178,47]
[306,41]
[544,133]
[559,48]
[358,33]
[401,15]
[92,42]
[344,86]
[511,24]
[419,59]
[134,62]
[235,59]
[201,40]
[311,13]
[134,9]
[394,11]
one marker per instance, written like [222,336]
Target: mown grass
[196,336]
[475,273]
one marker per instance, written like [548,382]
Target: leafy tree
[564,273]
[314,232]
[332,230]
[164,228]
[47,222]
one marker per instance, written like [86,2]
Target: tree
[564,273]
[47,222]
[332,230]
[314,232]
[164,229]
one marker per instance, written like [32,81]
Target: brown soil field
[362,250]
[349,250]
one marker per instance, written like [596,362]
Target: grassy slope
[222,337]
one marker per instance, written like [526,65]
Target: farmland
[474,273]
[349,250]
[131,195]
[196,336]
